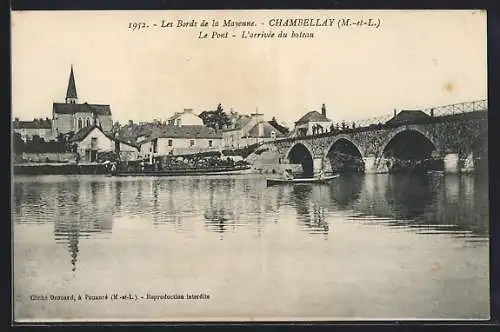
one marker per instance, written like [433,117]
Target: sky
[413,60]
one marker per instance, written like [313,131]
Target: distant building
[91,141]
[247,130]
[180,140]
[72,116]
[29,129]
[312,121]
[185,118]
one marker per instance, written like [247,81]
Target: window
[88,123]
[210,144]
[170,142]
[191,142]
[178,121]
[155,146]
[273,135]
[80,124]
[93,143]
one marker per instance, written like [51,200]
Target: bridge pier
[317,165]
[373,165]
[451,163]
[468,164]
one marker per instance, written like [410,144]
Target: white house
[313,122]
[180,140]
[185,118]
[91,141]
[248,130]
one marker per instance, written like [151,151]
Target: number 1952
[137,25]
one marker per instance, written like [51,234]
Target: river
[362,247]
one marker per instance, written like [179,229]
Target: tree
[115,129]
[216,119]
[18,143]
[65,140]
[275,124]
[61,138]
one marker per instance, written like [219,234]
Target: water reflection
[345,190]
[310,210]
[78,209]
[83,208]
[429,203]
[89,214]
[216,215]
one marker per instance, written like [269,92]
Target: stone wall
[52,157]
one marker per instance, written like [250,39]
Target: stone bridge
[457,142]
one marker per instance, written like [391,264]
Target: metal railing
[445,110]
[459,108]
[436,112]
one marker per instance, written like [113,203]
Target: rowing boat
[271,182]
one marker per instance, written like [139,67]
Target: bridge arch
[402,129]
[409,147]
[344,155]
[301,153]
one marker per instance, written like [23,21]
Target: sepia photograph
[249,166]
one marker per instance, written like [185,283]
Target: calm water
[374,247]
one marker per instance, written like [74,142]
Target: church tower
[71,96]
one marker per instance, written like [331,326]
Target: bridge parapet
[458,108]
[458,133]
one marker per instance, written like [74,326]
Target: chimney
[432,112]
[323,110]
[260,129]
[258,117]
[395,112]
[188,110]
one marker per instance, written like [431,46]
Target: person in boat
[287,175]
[113,168]
[321,174]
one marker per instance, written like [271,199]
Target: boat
[271,182]
[221,170]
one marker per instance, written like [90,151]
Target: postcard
[249,165]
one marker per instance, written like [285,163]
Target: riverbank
[59,169]
[94,168]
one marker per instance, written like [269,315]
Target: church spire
[71,96]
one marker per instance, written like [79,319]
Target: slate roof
[64,108]
[175,116]
[130,133]
[268,128]
[82,133]
[313,116]
[117,139]
[178,114]
[71,92]
[240,122]
[35,124]
[184,132]
[408,116]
